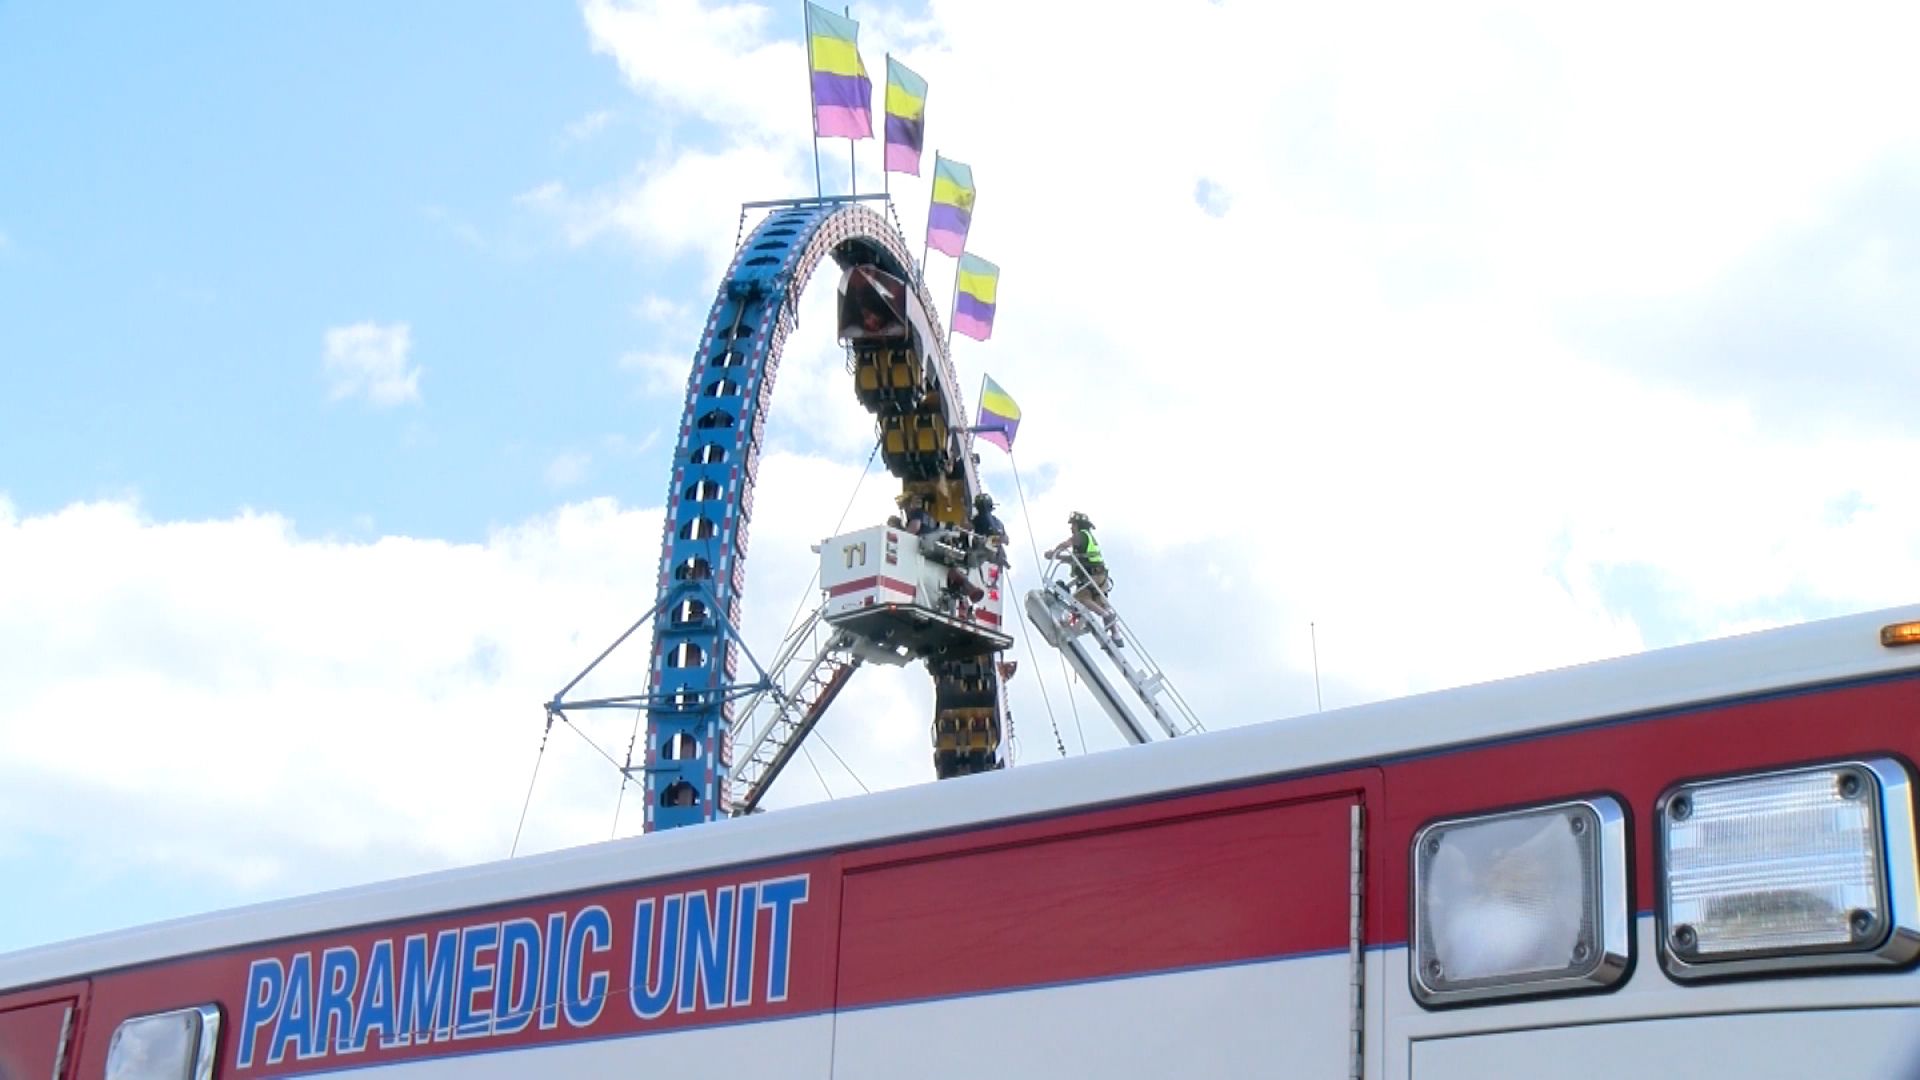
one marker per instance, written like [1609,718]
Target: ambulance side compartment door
[40,1031]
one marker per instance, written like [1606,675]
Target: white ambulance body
[1695,862]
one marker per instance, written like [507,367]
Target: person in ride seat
[919,520]
[1090,579]
[987,529]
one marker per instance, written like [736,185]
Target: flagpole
[953,302]
[813,110]
[886,185]
[923,235]
[853,166]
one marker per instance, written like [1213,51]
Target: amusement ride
[719,727]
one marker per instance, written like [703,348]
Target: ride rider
[919,520]
[1090,579]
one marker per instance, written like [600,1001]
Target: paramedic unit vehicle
[1692,862]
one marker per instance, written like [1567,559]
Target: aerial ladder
[779,717]
[1060,612]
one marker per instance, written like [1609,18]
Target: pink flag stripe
[946,241]
[840,122]
[973,326]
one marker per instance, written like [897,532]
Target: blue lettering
[743,945]
[652,990]
[294,1025]
[375,1008]
[266,982]
[339,971]
[781,895]
[476,978]
[592,932]
[519,982]
[426,988]
[552,968]
[706,950]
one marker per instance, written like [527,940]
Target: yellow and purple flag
[842,93]
[999,416]
[975,294]
[952,209]
[906,118]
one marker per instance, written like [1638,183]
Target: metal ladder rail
[798,713]
[1075,650]
[1174,715]
[799,638]
[1149,680]
[1062,623]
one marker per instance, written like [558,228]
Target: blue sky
[195,195]
[342,345]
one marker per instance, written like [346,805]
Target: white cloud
[314,712]
[661,374]
[461,229]
[1359,387]
[568,470]
[587,127]
[370,360]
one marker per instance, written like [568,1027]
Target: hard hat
[983,500]
[1078,518]
[906,498]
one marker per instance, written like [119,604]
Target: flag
[842,93]
[999,416]
[974,297]
[906,117]
[952,209]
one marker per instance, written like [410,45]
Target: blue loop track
[695,656]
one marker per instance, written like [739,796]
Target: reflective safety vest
[1092,555]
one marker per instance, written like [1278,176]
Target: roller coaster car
[877,308]
[882,321]
[903,596]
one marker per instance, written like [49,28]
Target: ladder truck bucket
[904,597]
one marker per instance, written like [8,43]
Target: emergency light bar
[1525,902]
[1792,870]
[178,1045]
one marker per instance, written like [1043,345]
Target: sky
[343,346]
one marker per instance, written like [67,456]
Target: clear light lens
[159,1047]
[1789,862]
[1507,900]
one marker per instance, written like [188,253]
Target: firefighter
[1090,580]
[988,532]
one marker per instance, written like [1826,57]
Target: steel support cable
[817,774]
[794,620]
[1020,489]
[611,760]
[639,715]
[779,693]
[535,778]
[842,761]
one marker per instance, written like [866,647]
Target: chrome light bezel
[1894,945]
[1612,922]
[202,1056]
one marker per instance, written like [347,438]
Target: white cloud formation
[587,127]
[371,361]
[569,469]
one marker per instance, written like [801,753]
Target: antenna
[1314,636]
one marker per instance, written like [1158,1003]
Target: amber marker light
[1900,633]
